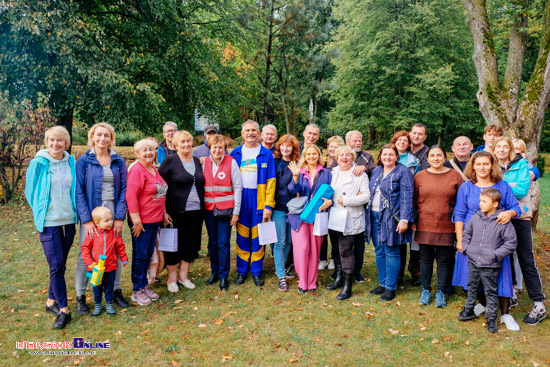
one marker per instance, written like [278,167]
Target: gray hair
[247,122]
[314,126]
[271,127]
[346,149]
[169,123]
[349,134]
[140,144]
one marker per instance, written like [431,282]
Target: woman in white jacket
[350,193]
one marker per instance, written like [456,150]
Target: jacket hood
[492,217]
[514,161]
[45,153]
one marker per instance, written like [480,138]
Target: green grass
[252,326]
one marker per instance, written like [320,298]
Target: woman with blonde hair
[100,181]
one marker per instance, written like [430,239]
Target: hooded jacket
[516,173]
[487,243]
[104,243]
[38,186]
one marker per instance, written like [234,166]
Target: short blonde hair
[140,144]
[347,149]
[99,213]
[335,139]
[58,132]
[105,125]
[302,162]
[216,139]
[521,143]
[512,154]
[181,135]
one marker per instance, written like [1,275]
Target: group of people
[411,198]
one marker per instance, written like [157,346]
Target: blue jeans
[281,249]
[108,286]
[388,258]
[219,236]
[142,250]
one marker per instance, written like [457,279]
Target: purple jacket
[303,188]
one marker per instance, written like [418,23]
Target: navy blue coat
[89,180]
[398,188]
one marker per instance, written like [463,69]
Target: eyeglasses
[171,131]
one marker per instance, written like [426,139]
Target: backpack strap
[455,166]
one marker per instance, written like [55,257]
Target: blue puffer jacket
[398,188]
[516,173]
[89,179]
[37,188]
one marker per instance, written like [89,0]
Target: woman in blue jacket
[390,212]
[100,180]
[516,173]
[50,191]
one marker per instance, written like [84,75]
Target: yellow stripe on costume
[270,192]
[258,255]
[244,231]
[242,254]
[261,197]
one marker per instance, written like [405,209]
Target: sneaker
[110,308]
[322,265]
[479,309]
[440,300]
[425,297]
[359,278]
[62,320]
[378,290]
[388,295]
[149,293]
[492,326]
[466,314]
[283,287]
[172,287]
[509,321]
[97,309]
[290,274]
[53,309]
[187,284]
[141,298]
[81,308]
[120,300]
[331,264]
[301,291]
[536,315]
[513,302]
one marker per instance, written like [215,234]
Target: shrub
[21,135]
[80,133]
[128,138]
[541,163]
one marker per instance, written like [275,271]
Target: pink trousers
[306,249]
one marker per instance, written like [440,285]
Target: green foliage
[21,134]
[128,138]
[541,164]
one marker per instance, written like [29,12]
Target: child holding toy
[104,243]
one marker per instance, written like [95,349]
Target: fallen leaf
[338,344]
[195,308]
[467,342]
[236,296]
[76,363]
[435,341]
[446,354]
[277,345]
[174,364]
[218,321]
[398,303]
[177,308]
[119,332]
[292,360]
[36,315]
[178,301]
[393,331]
[423,328]
[535,364]
[356,304]
[202,325]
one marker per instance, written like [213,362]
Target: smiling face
[331,149]
[286,151]
[312,156]
[250,134]
[502,151]
[345,160]
[388,158]
[355,142]
[418,136]
[436,158]
[462,147]
[57,146]
[483,167]
[217,151]
[490,137]
[311,135]
[269,136]
[402,144]
[146,155]
[185,146]
[102,138]
[168,133]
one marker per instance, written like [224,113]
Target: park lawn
[251,325]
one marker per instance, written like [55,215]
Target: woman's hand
[167,219]
[327,203]
[137,227]
[117,227]
[234,220]
[401,227]
[413,226]
[341,200]
[459,245]
[91,230]
[294,168]
[505,216]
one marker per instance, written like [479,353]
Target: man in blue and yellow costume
[258,179]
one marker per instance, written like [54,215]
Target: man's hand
[359,170]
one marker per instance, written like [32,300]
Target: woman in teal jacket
[50,191]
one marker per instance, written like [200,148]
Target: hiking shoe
[388,295]
[440,300]
[425,297]
[467,314]
[492,326]
[322,265]
[331,264]
[283,287]
[290,274]
[301,291]
[81,308]
[513,302]
[120,300]
[53,309]
[110,308]
[141,298]
[97,309]
[509,321]
[62,320]
[479,309]
[378,290]
[536,315]
[258,281]
[149,293]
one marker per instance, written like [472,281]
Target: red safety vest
[218,190]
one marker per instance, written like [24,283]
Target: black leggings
[443,255]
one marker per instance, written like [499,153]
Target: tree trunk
[268,62]
[66,120]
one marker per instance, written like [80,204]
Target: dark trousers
[56,242]
[443,256]
[348,246]
[108,286]
[219,236]
[189,225]
[526,259]
[335,252]
[414,262]
[142,250]
[324,249]
[488,277]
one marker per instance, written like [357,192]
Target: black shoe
[312,290]
[399,282]
[467,314]
[492,325]
[338,280]
[258,280]
[62,320]
[346,291]
[81,308]
[415,282]
[213,279]
[224,285]
[289,273]
[449,291]
[387,295]
[378,290]
[120,300]
[53,309]
[359,278]
[301,291]
[240,279]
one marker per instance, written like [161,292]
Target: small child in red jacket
[104,243]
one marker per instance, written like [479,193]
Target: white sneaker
[173,287]
[331,264]
[322,265]
[509,321]
[187,284]
[479,309]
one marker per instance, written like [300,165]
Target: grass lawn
[248,325]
